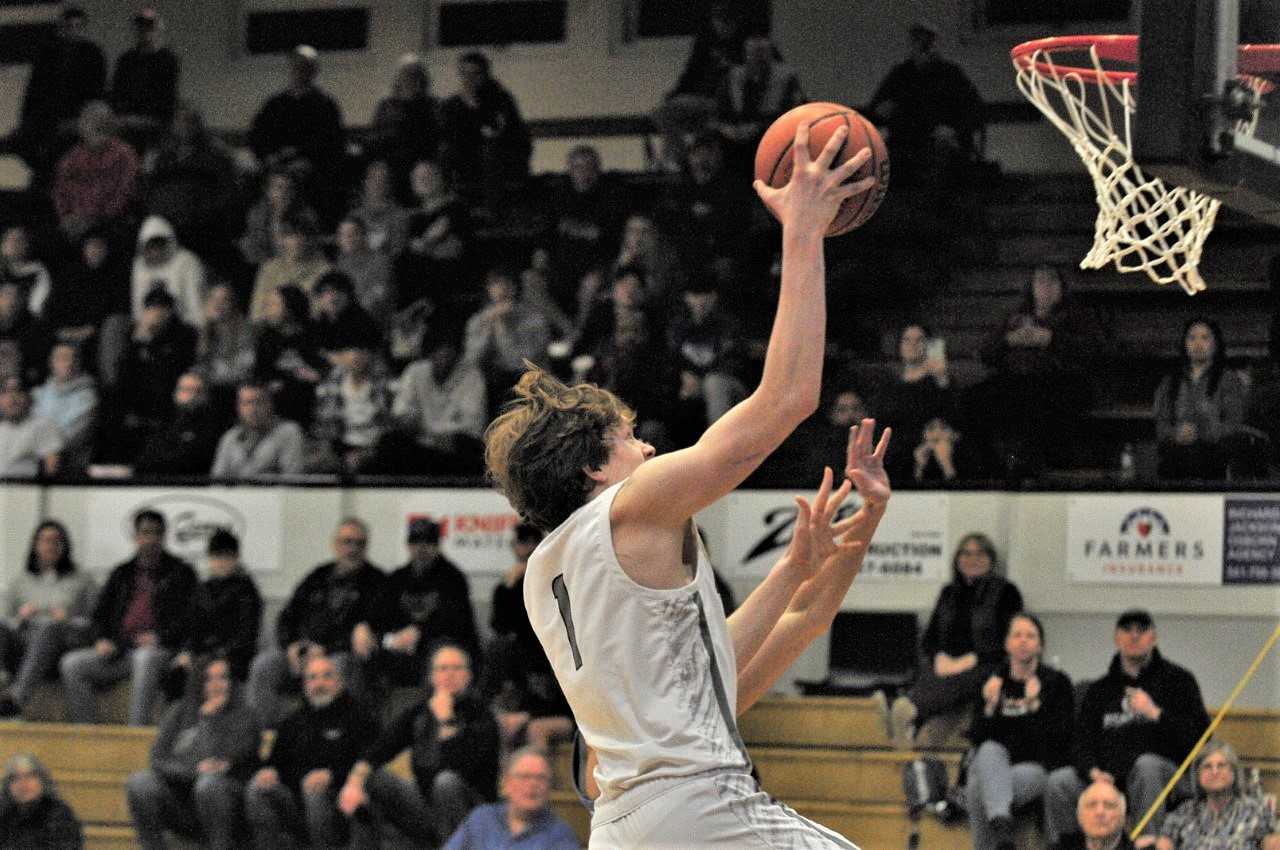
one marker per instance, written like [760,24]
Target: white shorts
[719,810]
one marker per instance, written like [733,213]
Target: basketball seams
[871,171]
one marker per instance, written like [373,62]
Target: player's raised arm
[667,490]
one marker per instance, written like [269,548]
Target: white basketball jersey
[650,674]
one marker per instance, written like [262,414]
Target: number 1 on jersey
[561,590]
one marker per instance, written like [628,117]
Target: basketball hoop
[1143,224]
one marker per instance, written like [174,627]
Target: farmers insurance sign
[910,543]
[1145,538]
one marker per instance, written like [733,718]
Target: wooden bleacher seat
[827,757]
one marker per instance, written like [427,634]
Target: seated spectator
[262,443]
[30,445]
[24,340]
[297,262]
[203,753]
[453,740]
[1198,405]
[527,698]
[505,333]
[648,249]
[231,611]
[430,603]
[32,814]
[91,287]
[625,342]
[929,111]
[1100,814]
[353,412]
[69,399]
[301,123]
[1039,390]
[437,234]
[689,108]
[441,405]
[755,93]
[185,444]
[820,440]
[285,357]
[161,347]
[338,610]
[406,124]
[224,347]
[524,817]
[144,86]
[266,218]
[161,261]
[96,181]
[292,795]
[66,73]
[485,142]
[1221,815]
[142,618]
[1021,732]
[49,605]
[963,645]
[709,209]
[1136,724]
[191,183]
[339,323]
[535,282]
[18,265]
[378,210]
[369,270]
[587,215]
[705,342]
[919,393]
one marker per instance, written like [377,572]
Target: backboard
[1190,95]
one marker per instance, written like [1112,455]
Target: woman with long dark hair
[964,641]
[1197,404]
[32,814]
[48,614]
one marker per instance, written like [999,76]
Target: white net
[1143,224]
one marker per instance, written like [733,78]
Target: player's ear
[596,475]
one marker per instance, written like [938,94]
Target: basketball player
[621,595]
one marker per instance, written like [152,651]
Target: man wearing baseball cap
[1136,724]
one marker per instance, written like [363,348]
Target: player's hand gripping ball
[774,157]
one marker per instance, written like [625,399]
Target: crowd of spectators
[365,665]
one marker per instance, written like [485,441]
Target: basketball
[774,157]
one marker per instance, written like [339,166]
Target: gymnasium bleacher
[827,757]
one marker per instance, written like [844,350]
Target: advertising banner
[1145,538]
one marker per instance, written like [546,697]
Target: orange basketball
[774,156]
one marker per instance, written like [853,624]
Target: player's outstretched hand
[816,538]
[864,466]
[812,197]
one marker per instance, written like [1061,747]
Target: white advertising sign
[1145,538]
[475,525]
[910,543]
[191,515]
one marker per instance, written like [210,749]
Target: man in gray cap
[1136,724]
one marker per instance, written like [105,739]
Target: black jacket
[231,614]
[994,601]
[472,753]
[47,824]
[437,601]
[1042,736]
[333,738]
[326,607]
[1111,737]
[184,446]
[177,615]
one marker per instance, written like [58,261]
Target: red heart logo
[1144,528]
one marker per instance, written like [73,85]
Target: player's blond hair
[537,452]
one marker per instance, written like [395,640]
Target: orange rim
[1254,59]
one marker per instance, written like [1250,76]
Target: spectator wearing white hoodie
[69,399]
[17,264]
[161,261]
